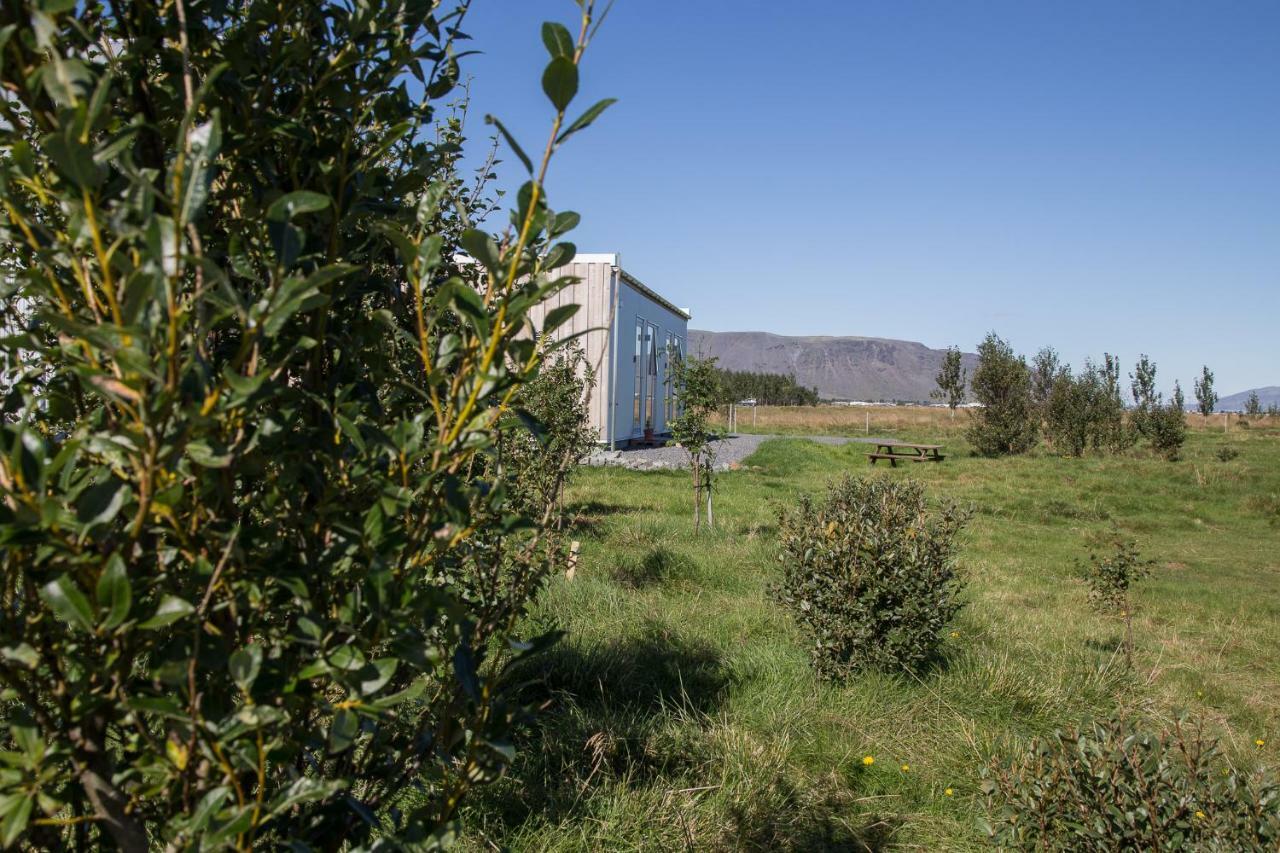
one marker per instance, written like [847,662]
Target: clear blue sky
[1089,175]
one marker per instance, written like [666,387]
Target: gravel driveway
[729,451]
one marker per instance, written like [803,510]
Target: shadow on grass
[587,518]
[614,713]
[656,566]
[627,722]
[784,818]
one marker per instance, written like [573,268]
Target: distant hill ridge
[841,368]
[1268,396]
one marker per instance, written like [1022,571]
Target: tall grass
[683,713]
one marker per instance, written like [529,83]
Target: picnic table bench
[901,451]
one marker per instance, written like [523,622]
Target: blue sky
[1088,175]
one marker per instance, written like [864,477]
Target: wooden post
[868,422]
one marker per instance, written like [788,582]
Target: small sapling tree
[1253,405]
[1046,369]
[697,395]
[1006,422]
[951,380]
[1206,397]
[1110,576]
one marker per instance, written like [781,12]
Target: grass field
[681,711]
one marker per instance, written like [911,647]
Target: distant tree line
[1073,411]
[767,389]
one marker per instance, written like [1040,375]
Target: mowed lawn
[681,711]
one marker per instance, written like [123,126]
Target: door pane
[638,369]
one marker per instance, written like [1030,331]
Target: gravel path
[729,451]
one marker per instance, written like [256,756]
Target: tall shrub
[248,560]
[1206,397]
[870,574]
[951,380]
[1146,400]
[1006,421]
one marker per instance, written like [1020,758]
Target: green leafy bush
[1112,786]
[1167,429]
[255,589]
[538,450]
[1226,454]
[1085,411]
[870,574]
[1007,421]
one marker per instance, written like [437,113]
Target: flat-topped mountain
[841,368]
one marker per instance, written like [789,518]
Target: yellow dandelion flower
[949,792]
[1260,743]
[906,768]
[955,634]
[868,761]
[1199,814]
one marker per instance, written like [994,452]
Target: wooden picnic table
[902,451]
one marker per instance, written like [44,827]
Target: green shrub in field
[257,590]
[1111,786]
[1167,430]
[1008,419]
[537,452]
[1085,410]
[870,574]
[1226,454]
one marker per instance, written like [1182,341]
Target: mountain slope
[1267,396]
[842,368]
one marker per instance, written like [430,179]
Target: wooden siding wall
[593,292]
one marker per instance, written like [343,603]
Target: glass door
[651,375]
[638,371]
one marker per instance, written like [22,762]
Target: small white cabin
[629,330]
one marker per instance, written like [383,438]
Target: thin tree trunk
[108,802]
[697,494]
[711,519]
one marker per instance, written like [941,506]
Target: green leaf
[560,82]
[482,247]
[66,81]
[557,39]
[245,664]
[583,121]
[99,503]
[69,604]
[16,809]
[380,672]
[204,141]
[343,730]
[205,456]
[288,206]
[305,789]
[114,593]
[171,609]
[511,140]
[74,160]
[558,316]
